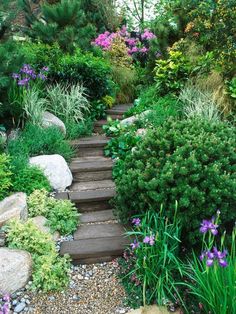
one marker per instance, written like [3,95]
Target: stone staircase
[99,236]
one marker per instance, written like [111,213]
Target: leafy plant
[199,104]
[192,161]
[5,175]
[171,74]
[75,130]
[151,262]
[68,102]
[50,271]
[35,141]
[62,214]
[232,88]
[211,279]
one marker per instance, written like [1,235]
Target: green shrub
[28,178]
[93,72]
[76,130]
[171,74]
[190,161]
[5,176]
[50,271]
[148,267]
[62,214]
[39,141]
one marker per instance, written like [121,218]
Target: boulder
[133,119]
[152,309]
[15,269]
[55,169]
[42,224]
[14,206]
[49,119]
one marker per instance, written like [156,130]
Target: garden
[64,65]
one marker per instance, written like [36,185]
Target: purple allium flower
[136,221]
[134,245]
[208,225]
[222,262]
[16,76]
[209,262]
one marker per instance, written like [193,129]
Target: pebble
[20,307]
[80,277]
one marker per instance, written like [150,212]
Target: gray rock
[14,134]
[55,169]
[41,223]
[20,307]
[49,120]
[14,206]
[15,269]
[133,119]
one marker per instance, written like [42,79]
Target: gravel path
[94,289]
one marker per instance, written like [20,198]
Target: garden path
[99,237]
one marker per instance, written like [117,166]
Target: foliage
[84,68]
[232,88]
[68,102]
[151,262]
[27,179]
[211,279]
[198,104]
[50,272]
[62,214]
[171,74]
[192,161]
[5,175]
[35,141]
[63,22]
[109,101]
[75,130]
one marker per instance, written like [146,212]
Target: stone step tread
[94,248]
[96,231]
[92,141]
[100,123]
[97,165]
[92,185]
[91,195]
[97,216]
[89,158]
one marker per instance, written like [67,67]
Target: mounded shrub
[5,175]
[191,161]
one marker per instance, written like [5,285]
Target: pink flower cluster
[134,45]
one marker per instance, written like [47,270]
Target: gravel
[93,289]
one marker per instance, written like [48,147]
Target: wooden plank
[93,206]
[91,195]
[93,141]
[97,216]
[92,185]
[95,176]
[62,196]
[90,151]
[100,165]
[94,248]
[96,231]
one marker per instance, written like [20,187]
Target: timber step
[85,165]
[96,231]
[97,216]
[90,146]
[92,185]
[91,195]
[94,250]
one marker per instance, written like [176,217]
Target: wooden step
[115,116]
[97,216]
[81,165]
[94,250]
[92,185]
[91,195]
[94,206]
[96,231]
[89,142]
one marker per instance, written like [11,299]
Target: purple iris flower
[222,262]
[136,221]
[209,262]
[42,76]
[214,255]
[149,240]
[134,245]
[24,82]
[46,69]
[16,76]
[208,225]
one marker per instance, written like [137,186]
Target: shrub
[27,179]
[149,265]
[62,214]
[5,175]
[84,68]
[171,74]
[35,140]
[69,103]
[50,271]
[75,130]
[190,161]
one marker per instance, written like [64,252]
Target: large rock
[152,309]
[50,120]
[42,224]
[14,206]
[55,169]
[15,269]
[133,119]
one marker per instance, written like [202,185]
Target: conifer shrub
[192,162]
